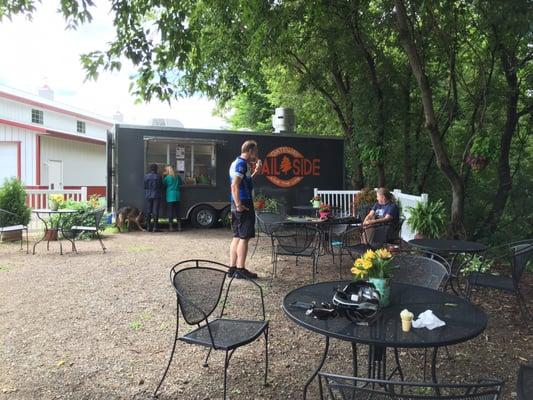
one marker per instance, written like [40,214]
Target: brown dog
[130,214]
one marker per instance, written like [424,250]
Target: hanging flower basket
[477,162]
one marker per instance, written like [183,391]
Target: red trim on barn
[23,125]
[67,136]
[53,133]
[52,108]
[91,190]
[38,160]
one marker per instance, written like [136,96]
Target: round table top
[464,320]
[48,211]
[313,220]
[449,246]
[304,207]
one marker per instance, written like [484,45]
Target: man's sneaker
[231,271]
[243,273]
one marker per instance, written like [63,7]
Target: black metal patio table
[464,321]
[324,226]
[454,248]
[56,226]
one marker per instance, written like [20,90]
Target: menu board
[180,152]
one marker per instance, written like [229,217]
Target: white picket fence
[343,201]
[38,198]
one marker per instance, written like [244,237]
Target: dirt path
[100,326]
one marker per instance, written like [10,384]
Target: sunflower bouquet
[373,264]
[55,200]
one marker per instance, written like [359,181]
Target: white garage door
[8,161]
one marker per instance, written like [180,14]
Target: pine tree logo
[286,165]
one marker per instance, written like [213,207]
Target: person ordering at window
[153,186]
[172,184]
[242,208]
[384,211]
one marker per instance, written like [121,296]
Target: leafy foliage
[428,219]
[13,199]
[344,68]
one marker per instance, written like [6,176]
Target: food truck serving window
[194,161]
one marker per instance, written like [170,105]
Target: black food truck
[292,167]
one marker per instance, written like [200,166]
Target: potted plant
[376,268]
[428,220]
[13,199]
[55,201]
[315,201]
[362,202]
[265,203]
[324,210]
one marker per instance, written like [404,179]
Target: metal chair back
[524,383]
[296,238]
[7,218]
[198,285]
[346,387]
[267,221]
[521,254]
[420,271]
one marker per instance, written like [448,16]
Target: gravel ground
[100,326]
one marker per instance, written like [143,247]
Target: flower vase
[316,203]
[323,214]
[53,205]
[383,287]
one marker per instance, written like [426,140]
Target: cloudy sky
[41,50]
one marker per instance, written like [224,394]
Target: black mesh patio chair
[334,242]
[524,386]
[353,388]
[265,223]
[199,285]
[296,240]
[517,254]
[430,270]
[10,223]
[87,222]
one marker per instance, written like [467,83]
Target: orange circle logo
[286,167]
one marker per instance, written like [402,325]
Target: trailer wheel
[225,217]
[204,217]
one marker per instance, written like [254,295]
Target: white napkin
[428,320]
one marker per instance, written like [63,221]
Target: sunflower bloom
[369,255]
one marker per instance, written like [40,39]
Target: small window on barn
[80,126]
[37,116]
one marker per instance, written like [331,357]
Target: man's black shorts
[243,223]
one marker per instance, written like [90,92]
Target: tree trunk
[407,162]
[443,162]
[504,170]
[380,106]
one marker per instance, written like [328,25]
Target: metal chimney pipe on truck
[283,120]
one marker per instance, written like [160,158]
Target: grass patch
[136,325]
[4,268]
[111,229]
[140,249]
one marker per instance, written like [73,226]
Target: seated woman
[382,219]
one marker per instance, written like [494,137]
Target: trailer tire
[225,217]
[204,217]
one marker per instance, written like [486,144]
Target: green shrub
[428,219]
[67,221]
[13,199]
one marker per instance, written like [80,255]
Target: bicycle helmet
[359,300]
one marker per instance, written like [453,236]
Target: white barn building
[48,145]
